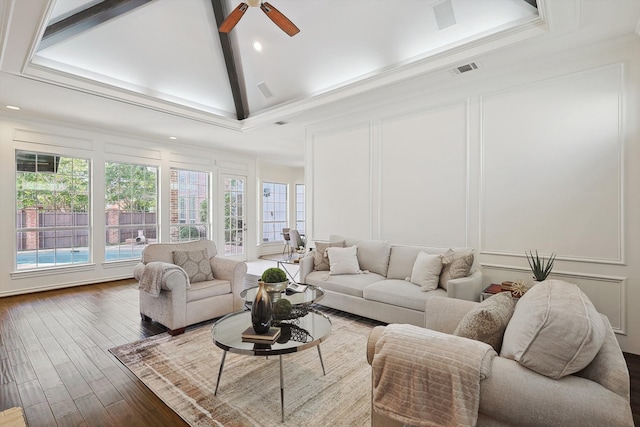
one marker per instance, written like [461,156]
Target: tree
[65,190]
[131,187]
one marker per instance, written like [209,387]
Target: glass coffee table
[298,335]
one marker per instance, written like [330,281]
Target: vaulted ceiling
[160,68]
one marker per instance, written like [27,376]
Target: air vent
[265,90]
[464,68]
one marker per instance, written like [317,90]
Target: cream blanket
[151,279]
[427,378]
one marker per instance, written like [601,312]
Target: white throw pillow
[555,330]
[426,271]
[343,260]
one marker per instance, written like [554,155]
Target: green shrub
[190,232]
[274,275]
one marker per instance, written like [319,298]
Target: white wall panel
[551,169]
[341,177]
[423,159]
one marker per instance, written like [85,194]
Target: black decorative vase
[261,311]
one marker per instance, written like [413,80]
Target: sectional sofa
[382,289]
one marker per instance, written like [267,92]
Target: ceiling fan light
[254,3]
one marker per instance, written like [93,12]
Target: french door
[234,187]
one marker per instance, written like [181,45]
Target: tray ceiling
[170,50]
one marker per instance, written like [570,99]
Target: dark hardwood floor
[54,360]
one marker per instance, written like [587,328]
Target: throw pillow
[455,265]
[320,259]
[488,320]
[555,330]
[195,263]
[343,260]
[426,271]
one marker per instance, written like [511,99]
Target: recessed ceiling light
[173,137]
[12,107]
[257,46]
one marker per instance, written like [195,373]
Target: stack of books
[270,337]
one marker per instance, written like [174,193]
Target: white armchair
[180,302]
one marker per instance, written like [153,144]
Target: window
[52,210]
[300,211]
[234,215]
[189,200]
[274,211]
[131,207]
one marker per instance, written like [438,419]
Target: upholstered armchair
[186,283]
[551,360]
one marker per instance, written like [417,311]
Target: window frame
[189,188]
[273,228]
[74,189]
[140,234]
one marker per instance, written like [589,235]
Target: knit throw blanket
[151,279]
[427,378]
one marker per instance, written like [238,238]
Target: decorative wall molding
[551,164]
[143,153]
[51,139]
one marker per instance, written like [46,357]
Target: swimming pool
[65,256]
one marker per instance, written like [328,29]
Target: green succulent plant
[539,267]
[274,275]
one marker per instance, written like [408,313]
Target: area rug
[182,371]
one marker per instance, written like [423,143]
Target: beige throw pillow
[455,265]
[555,330]
[320,259]
[195,263]
[343,260]
[488,320]
[426,271]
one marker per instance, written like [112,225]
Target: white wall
[544,156]
[270,172]
[19,133]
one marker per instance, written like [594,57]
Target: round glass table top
[311,295]
[300,334]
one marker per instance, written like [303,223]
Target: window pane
[131,201]
[52,217]
[189,205]
[274,211]
[300,208]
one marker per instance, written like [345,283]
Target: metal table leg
[281,389]
[321,362]
[224,355]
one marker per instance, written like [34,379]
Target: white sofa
[559,330]
[181,303]
[381,292]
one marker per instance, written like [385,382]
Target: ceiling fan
[276,16]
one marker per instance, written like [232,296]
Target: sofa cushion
[195,263]
[343,260]
[207,289]
[555,330]
[320,259]
[403,258]
[348,284]
[488,320]
[426,271]
[400,293]
[373,255]
[455,264]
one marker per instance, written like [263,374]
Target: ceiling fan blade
[233,18]
[279,19]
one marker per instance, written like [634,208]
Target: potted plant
[540,267]
[275,282]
